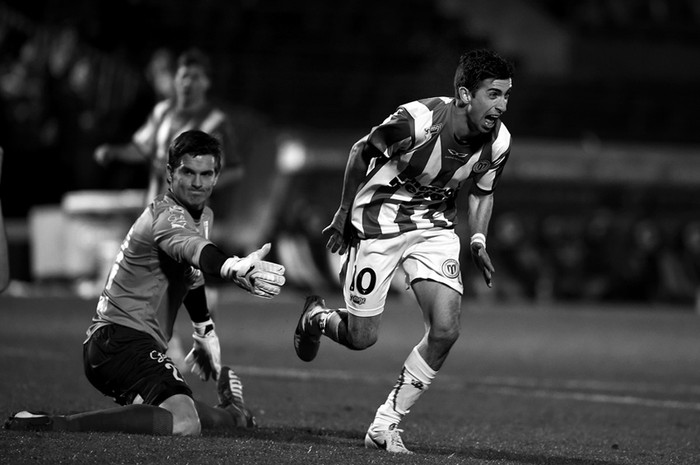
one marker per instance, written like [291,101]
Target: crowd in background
[605,257]
[60,97]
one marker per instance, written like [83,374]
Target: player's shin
[132,419]
[414,379]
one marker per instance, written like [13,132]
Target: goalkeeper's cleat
[386,439]
[306,344]
[230,393]
[30,421]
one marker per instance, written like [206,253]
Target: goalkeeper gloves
[204,359]
[260,278]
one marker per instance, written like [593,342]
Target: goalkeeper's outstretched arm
[259,277]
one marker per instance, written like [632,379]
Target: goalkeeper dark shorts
[122,362]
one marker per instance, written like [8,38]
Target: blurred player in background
[160,74]
[159,268]
[4,252]
[398,209]
[188,107]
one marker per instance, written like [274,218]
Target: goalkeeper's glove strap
[203,328]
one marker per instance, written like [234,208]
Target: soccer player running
[159,267]
[398,209]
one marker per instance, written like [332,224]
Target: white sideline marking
[512,386]
[592,397]
[591,385]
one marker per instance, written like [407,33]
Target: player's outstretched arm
[128,153]
[257,276]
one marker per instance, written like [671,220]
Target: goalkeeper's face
[193,180]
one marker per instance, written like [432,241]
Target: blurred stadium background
[599,202]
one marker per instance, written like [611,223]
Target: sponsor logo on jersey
[450,268]
[177,217]
[428,192]
[457,155]
[481,166]
[177,221]
[357,300]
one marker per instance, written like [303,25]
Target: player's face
[193,180]
[488,103]
[191,85]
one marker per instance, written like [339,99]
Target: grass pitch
[525,384]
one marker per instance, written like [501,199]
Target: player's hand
[204,359]
[336,242]
[259,277]
[101,155]
[340,233]
[483,262]
[193,277]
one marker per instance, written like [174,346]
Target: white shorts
[423,254]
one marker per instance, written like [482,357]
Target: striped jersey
[165,123]
[152,271]
[414,185]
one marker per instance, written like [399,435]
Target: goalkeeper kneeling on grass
[161,266]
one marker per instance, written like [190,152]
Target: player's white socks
[415,378]
[334,324]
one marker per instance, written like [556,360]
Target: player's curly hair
[194,143]
[477,65]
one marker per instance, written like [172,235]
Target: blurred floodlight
[291,156]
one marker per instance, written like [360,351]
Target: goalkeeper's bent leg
[213,418]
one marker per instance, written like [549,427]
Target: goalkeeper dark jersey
[153,269]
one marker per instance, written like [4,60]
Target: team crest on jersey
[432,130]
[450,268]
[481,166]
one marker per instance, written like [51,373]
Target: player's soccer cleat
[305,344]
[387,439]
[230,393]
[30,421]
